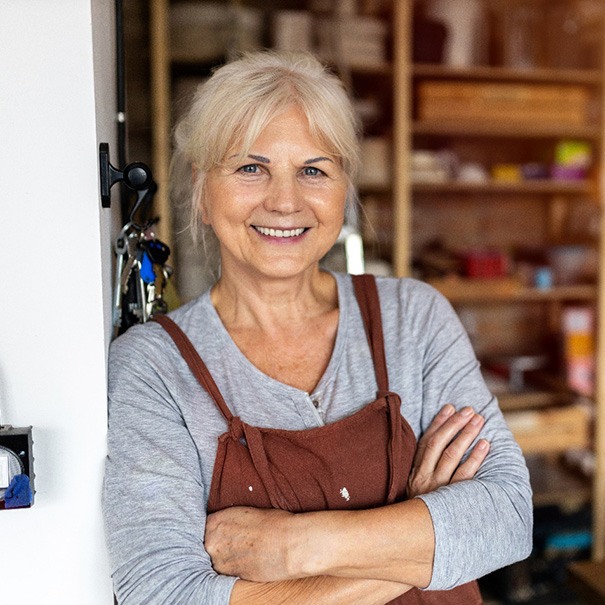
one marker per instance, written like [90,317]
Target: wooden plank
[489,73]
[486,129]
[507,289]
[532,399]
[599,437]
[402,110]
[160,114]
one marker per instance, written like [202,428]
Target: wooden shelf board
[459,291]
[553,483]
[532,399]
[462,128]
[489,73]
[544,186]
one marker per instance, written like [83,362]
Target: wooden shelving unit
[402,199]
[553,483]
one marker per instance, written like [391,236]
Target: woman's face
[277,212]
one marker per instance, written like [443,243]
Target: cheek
[336,205]
[207,201]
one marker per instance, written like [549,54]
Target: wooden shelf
[460,290]
[538,186]
[533,400]
[488,142]
[467,129]
[500,74]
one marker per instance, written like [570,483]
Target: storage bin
[563,105]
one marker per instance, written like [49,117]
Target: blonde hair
[237,103]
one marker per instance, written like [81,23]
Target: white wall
[54,293]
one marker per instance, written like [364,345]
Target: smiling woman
[259,449]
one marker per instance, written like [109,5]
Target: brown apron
[362,461]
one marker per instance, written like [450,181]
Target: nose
[283,195]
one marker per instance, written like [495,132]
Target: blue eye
[312,171]
[249,169]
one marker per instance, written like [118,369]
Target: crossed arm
[369,556]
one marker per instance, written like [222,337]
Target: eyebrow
[264,160]
[260,158]
[321,158]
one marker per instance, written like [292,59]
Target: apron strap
[256,447]
[366,293]
[397,442]
[195,363]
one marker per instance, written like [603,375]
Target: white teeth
[280,232]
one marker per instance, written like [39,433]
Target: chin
[284,270]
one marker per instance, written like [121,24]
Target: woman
[284,467]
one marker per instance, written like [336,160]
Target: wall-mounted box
[16,461]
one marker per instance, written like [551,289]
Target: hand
[251,543]
[440,450]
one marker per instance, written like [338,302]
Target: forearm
[393,543]
[474,540]
[320,589]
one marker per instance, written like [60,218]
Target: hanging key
[133,253]
[121,250]
[147,268]
[117,294]
[157,250]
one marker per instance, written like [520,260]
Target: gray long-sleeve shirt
[163,430]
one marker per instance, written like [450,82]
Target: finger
[435,445]
[455,451]
[470,466]
[446,412]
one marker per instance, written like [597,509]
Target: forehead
[288,130]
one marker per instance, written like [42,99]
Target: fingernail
[467,412]
[476,420]
[482,445]
[448,410]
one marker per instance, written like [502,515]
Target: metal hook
[144,197]
[136,176]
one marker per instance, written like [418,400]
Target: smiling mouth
[284,233]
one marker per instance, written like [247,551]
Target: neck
[273,304]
